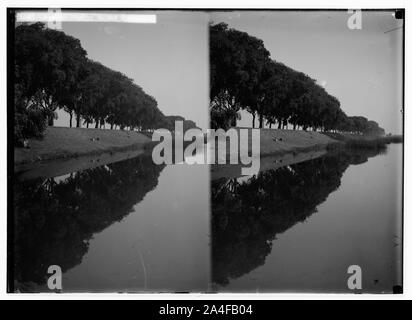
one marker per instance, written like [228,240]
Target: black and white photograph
[224,151]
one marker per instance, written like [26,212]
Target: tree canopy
[52,71]
[243,76]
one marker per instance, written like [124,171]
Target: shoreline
[62,166]
[64,149]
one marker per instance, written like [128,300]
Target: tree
[46,69]
[237,62]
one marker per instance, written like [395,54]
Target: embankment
[64,143]
[274,141]
[279,142]
[65,150]
[279,148]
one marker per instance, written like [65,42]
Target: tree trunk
[260,121]
[233,121]
[270,125]
[96,125]
[51,121]
[111,126]
[87,124]
[78,120]
[71,119]
[253,121]
[280,124]
[294,127]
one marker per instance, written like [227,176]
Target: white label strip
[73,16]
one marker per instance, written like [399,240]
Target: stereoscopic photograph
[205,151]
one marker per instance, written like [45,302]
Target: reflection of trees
[55,220]
[246,217]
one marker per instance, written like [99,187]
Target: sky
[169,59]
[362,68]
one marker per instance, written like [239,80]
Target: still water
[127,226]
[300,227]
[133,226]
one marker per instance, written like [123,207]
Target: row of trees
[52,71]
[243,76]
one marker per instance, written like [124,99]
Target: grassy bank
[67,143]
[276,141]
[352,141]
[285,147]
[279,142]
[273,141]
[61,143]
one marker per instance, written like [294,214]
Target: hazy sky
[362,68]
[169,59]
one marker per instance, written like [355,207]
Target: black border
[10,109]
[10,149]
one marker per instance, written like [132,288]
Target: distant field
[60,142]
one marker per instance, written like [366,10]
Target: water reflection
[56,217]
[163,246]
[248,215]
